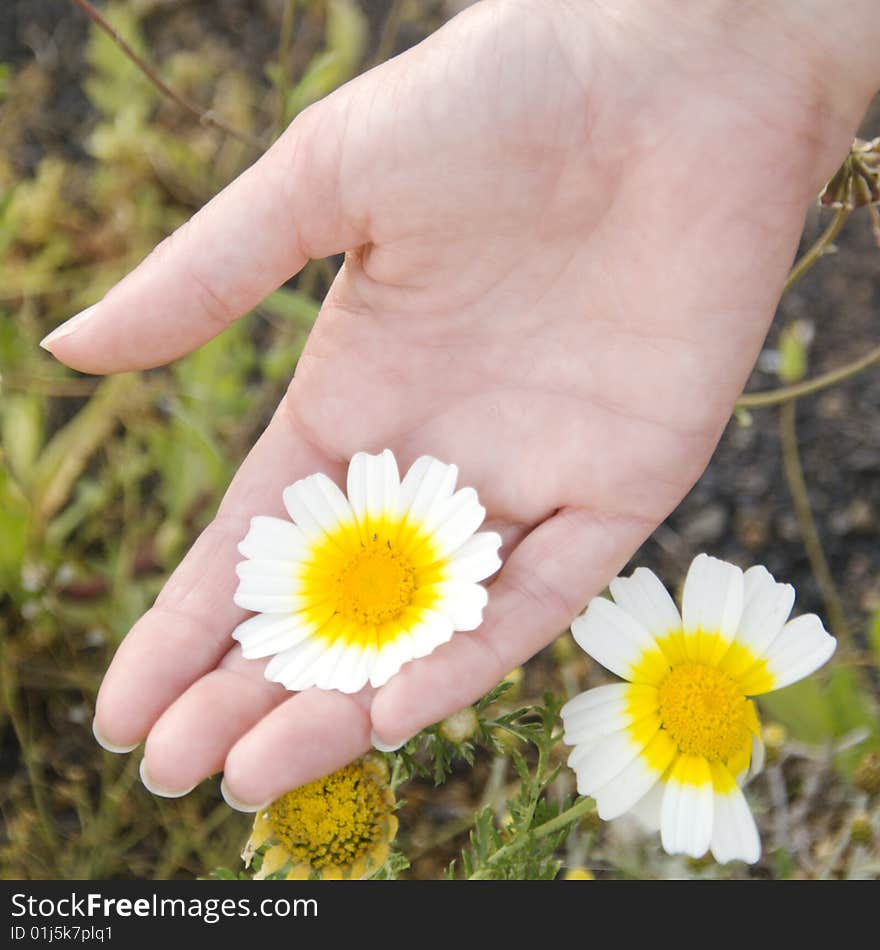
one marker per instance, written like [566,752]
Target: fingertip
[157,789]
[393,718]
[381,745]
[108,745]
[306,737]
[66,329]
[236,804]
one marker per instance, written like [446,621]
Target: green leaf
[22,433]
[68,452]
[5,77]
[852,709]
[874,635]
[803,709]
[213,379]
[815,713]
[291,305]
[346,36]
[14,529]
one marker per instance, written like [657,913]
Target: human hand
[567,229]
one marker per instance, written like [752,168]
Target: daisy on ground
[677,740]
[338,827]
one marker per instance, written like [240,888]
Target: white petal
[433,630]
[374,485]
[626,789]
[273,539]
[317,505]
[734,834]
[599,719]
[477,558]
[288,666]
[712,605]
[643,596]
[325,668]
[756,764]
[267,577]
[595,765]
[367,659]
[341,668]
[462,602]
[267,634]
[766,606]
[647,811]
[686,814]
[350,675]
[267,603]
[802,647]
[592,697]
[713,597]
[390,658]
[457,520]
[612,637]
[300,672]
[426,487]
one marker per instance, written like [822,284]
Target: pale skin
[567,227]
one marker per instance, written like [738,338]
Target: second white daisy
[356,586]
[675,743]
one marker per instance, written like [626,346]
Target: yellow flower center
[332,821]
[704,711]
[376,585]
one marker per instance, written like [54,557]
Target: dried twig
[205,116]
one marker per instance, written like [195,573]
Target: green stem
[817,250]
[580,808]
[773,397]
[797,485]
[284,42]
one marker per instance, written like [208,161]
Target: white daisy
[675,743]
[356,586]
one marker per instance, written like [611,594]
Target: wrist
[837,42]
[806,68]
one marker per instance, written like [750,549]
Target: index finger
[250,238]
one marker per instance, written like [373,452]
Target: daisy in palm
[676,741]
[359,584]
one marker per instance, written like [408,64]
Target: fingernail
[154,789]
[233,802]
[109,746]
[381,746]
[66,328]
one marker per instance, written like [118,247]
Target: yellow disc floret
[333,821]
[375,585]
[704,711]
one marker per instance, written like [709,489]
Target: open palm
[564,247]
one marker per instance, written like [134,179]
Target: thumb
[255,234]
